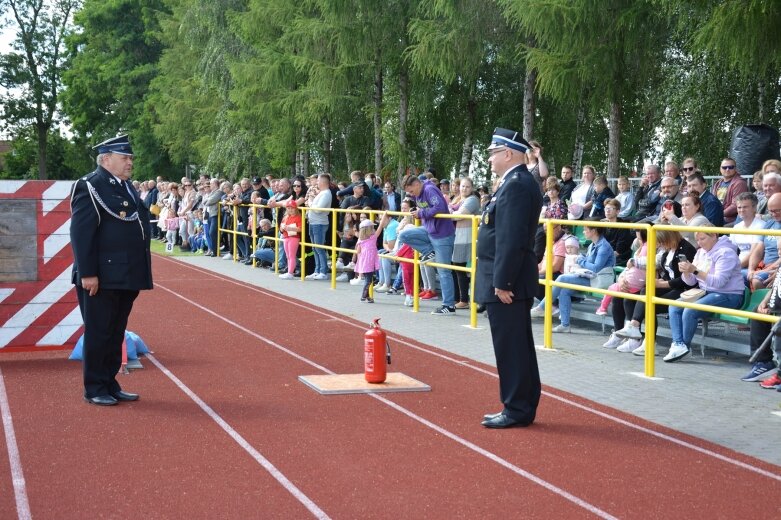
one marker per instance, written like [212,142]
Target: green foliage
[65,159]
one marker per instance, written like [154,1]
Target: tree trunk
[468,148]
[378,112]
[403,113]
[529,103]
[305,152]
[614,140]
[42,142]
[761,100]
[327,146]
[347,159]
[577,154]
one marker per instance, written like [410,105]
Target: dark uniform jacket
[505,243]
[110,233]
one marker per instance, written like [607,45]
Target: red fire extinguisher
[376,352]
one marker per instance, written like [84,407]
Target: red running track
[224,429]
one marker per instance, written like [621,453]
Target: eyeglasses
[728,167]
[495,151]
[296,185]
[187,185]
[774,211]
[688,168]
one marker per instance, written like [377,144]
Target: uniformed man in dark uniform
[507,278]
[110,236]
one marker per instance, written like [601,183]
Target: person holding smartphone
[691,209]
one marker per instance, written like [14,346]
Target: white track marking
[564,400]
[17,475]
[241,441]
[480,451]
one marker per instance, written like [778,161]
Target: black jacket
[505,245]
[110,233]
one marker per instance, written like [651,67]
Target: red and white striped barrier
[41,312]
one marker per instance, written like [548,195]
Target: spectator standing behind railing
[434,241]
[465,203]
[536,164]
[507,278]
[291,237]
[212,200]
[318,225]
[728,188]
[368,258]
[716,269]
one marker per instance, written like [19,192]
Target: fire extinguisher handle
[387,352]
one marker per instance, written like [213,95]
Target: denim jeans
[386,271]
[683,322]
[214,247]
[242,242]
[565,295]
[419,239]
[317,234]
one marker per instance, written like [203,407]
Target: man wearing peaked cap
[110,236]
[506,279]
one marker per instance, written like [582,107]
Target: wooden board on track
[356,384]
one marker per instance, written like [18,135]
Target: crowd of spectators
[721,265]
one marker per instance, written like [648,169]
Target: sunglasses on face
[296,185]
[728,167]
[688,168]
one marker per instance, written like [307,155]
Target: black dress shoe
[502,421]
[491,416]
[101,400]
[125,396]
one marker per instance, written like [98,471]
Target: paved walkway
[700,396]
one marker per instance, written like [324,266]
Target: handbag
[603,278]
[691,295]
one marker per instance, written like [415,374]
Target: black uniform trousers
[105,320]
[759,331]
[516,358]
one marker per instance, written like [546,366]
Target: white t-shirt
[580,193]
[744,242]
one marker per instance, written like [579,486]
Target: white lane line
[564,400]
[523,473]
[17,475]
[241,441]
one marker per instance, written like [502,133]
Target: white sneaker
[630,331]
[677,351]
[321,276]
[555,311]
[287,276]
[629,345]
[339,265]
[613,341]
[343,278]
[408,301]
[227,256]
[640,351]
[381,288]
[350,266]
[312,276]
[562,328]
[356,281]
[537,312]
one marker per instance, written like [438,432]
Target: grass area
[159,248]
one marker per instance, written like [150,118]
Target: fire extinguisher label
[368,355]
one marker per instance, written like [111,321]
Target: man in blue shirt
[764,259]
[711,206]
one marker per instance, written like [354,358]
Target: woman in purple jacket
[716,269]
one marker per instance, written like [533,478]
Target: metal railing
[334,249]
